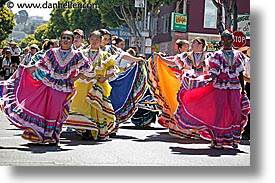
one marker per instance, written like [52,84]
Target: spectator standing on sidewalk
[15,52]
[8,66]
[33,50]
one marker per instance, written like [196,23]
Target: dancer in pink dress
[217,111]
[39,106]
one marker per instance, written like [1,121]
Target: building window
[210,15]
[165,23]
[155,26]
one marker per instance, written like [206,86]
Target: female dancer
[165,80]
[218,111]
[39,107]
[91,110]
[129,86]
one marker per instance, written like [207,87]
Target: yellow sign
[180,19]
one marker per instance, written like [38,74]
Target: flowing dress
[91,108]
[127,90]
[40,106]
[164,84]
[217,111]
[130,95]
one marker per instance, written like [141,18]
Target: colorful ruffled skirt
[127,90]
[210,113]
[164,85]
[147,111]
[32,106]
[91,109]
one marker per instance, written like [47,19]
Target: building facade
[187,19]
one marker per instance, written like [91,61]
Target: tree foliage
[39,33]
[21,17]
[120,12]
[87,19]
[29,40]
[6,24]
[3,2]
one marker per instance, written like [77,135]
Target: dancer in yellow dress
[91,111]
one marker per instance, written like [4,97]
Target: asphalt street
[133,146]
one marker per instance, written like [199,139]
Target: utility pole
[184,4]
[144,28]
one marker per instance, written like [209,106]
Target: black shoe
[53,144]
[112,135]
[86,136]
[235,146]
[215,146]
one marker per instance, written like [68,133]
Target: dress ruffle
[57,73]
[34,107]
[91,108]
[164,86]
[185,61]
[127,89]
[215,111]
[211,113]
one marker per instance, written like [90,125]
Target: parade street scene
[125,83]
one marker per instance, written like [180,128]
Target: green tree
[57,23]
[6,24]
[21,17]
[29,40]
[39,32]
[87,19]
[3,2]
[123,12]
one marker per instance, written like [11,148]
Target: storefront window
[210,15]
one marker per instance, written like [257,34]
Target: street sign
[139,3]
[239,39]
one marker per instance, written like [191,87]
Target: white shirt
[7,62]
[122,63]
[27,59]
[15,51]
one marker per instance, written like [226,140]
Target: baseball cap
[79,32]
